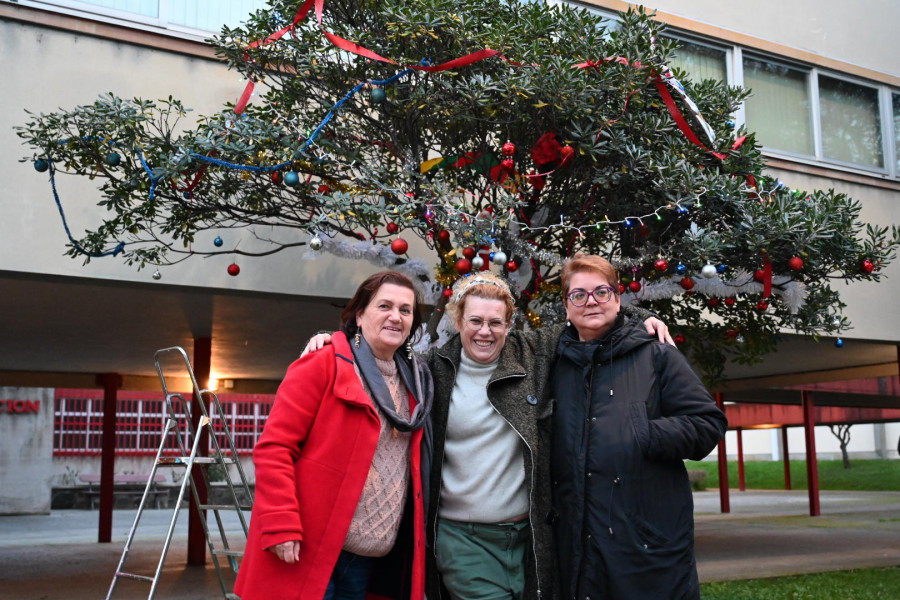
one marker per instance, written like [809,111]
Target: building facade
[825,103]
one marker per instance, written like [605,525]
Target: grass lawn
[861,584]
[863,475]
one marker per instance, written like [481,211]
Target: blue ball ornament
[41,165]
[218,242]
[681,269]
[729,123]
[378,95]
[113,159]
[721,269]
[187,194]
[291,178]
[839,343]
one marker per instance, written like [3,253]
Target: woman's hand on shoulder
[289,552]
[659,329]
[316,342]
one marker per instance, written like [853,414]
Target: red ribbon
[767,276]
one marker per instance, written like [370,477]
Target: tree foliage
[336,145]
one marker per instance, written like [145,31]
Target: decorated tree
[506,135]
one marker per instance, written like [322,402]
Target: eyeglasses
[601,294]
[495,325]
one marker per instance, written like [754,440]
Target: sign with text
[19,407]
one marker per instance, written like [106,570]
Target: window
[779,108]
[183,16]
[700,61]
[851,127]
[896,113]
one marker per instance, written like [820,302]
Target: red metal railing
[141,417]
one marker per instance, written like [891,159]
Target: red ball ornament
[444,236]
[565,154]
[621,288]
[635,286]
[399,246]
[712,302]
[687,283]
[277,177]
[762,305]
[508,165]
[324,189]
[512,267]
[469,252]
[678,339]
[795,263]
[447,293]
[661,265]
[392,228]
[759,275]
[508,149]
[463,266]
[866,266]
[233,269]
[732,333]
[729,302]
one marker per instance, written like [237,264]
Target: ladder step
[228,552]
[198,460]
[224,507]
[134,576]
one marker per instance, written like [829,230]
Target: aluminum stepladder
[179,428]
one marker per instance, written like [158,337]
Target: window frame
[159,24]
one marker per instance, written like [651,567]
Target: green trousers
[482,561]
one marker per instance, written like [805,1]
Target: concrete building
[64,323]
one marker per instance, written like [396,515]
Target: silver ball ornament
[477,263]
[500,258]
[315,243]
[157,275]
[708,271]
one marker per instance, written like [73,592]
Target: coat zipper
[537,575]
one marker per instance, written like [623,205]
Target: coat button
[531,399]
[617,480]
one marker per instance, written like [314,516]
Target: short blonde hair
[589,263]
[483,284]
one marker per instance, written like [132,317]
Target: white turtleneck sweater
[483,476]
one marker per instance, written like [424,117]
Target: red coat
[311,463]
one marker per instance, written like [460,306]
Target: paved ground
[766,534]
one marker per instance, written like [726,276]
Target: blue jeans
[350,577]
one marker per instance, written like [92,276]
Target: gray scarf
[410,373]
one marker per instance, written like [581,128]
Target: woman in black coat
[629,410]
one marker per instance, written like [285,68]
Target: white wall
[862,34]
[55,69]
[26,471]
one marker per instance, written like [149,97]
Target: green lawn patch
[859,584]
[864,475]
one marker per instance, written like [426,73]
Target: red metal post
[110,383]
[742,483]
[724,499]
[787,457]
[812,467]
[196,535]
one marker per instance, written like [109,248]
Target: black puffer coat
[629,410]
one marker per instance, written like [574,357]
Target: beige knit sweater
[373,530]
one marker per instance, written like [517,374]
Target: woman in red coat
[338,464]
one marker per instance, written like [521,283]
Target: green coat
[517,392]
